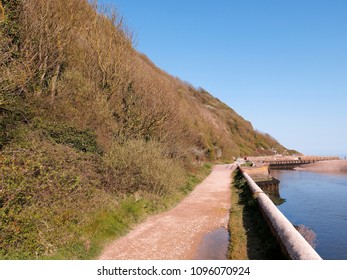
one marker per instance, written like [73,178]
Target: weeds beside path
[177,233]
[250,237]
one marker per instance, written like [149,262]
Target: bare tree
[48,30]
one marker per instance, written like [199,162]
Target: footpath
[177,233]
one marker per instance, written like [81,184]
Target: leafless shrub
[79,61]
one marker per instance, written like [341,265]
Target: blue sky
[281,64]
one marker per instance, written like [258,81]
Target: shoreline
[329,166]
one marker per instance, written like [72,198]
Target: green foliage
[239,181]
[55,204]
[294,152]
[93,136]
[138,166]
[248,163]
[257,240]
[61,133]
[47,192]
[111,220]
[12,114]
[195,178]
[11,11]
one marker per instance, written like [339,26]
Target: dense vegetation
[93,136]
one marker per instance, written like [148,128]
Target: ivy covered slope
[93,136]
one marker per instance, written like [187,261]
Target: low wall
[291,241]
[257,172]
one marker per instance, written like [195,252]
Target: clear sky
[281,64]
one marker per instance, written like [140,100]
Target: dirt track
[176,234]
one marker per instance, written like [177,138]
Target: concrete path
[176,234]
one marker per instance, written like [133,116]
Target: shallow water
[214,246]
[318,201]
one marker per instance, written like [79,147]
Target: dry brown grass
[71,81]
[2,13]
[79,66]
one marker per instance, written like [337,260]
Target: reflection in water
[214,246]
[270,186]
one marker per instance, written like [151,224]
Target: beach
[338,166]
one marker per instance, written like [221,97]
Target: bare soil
[176,234]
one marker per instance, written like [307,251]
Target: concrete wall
[290,240]
[258,172]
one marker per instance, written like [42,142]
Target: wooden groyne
[292,243]
[288,164]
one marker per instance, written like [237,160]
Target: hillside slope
[92,134]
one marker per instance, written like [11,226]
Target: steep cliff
[92,133]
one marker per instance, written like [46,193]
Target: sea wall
[293,245]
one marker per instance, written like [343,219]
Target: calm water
[318,201]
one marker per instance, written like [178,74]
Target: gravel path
[176,234]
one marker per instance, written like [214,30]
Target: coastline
[317,199]
[331,166]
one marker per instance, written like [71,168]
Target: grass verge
[250,237]
[62,200]
[238,235]
[112,222]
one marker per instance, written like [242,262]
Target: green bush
[139,166]
[47,192]
[12,114]
[59,203]
[61,133]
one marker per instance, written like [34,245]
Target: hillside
[94,136]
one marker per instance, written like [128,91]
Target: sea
[317,201]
